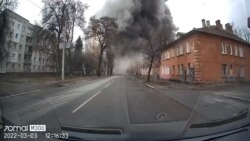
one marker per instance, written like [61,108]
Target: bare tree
[103,30]
[61,16]
[243,33]
[78,55]
[75,13]
[246,34]
[8,4]
[154,40]
[110,61]
[3,32]
[45,41]
[90,63]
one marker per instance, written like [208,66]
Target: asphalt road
[117,102]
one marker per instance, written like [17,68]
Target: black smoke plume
[132,14]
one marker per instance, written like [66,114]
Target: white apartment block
[22,54]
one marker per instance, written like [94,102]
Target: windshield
[124,70]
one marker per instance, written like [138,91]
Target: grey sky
[187,14]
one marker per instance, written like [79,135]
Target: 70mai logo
[16,129]
[31,128]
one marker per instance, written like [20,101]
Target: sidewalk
[26,85]
[166,84]
[186,93]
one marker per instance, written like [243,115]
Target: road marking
[107,85]
[84,103]
[20,94]
[149,86]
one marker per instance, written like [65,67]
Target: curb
[237,98]
[152,87]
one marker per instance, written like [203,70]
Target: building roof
[212,30]
[16,15]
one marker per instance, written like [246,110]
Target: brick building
[207,54]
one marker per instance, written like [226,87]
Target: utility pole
[63,60]
[63,53]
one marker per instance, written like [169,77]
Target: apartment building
[15,43]
[207,54]
[38,54]
[22,54]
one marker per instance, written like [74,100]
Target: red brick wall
[212,59]
[207,59]
[183,59]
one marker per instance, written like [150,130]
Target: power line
[35,4]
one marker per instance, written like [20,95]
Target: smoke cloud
[131,16]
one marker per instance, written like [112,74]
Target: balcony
[27,52]
[27,62]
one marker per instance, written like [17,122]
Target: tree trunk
[100,63]
[150,67]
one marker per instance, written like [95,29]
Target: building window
[173,55]
[13,66]
[18,26]
[12,23]
[16,36]
[166,70]
[173,70]
[188,68]
[19,57]
[15,45]
[9,44]
[11,34]
[180,50]
[231,71]
[182,69]
[188,47]
[223,48]
[231,50]
[20,47]
[224,70]
[242,71]
[23,28]
[176,51]
[167,56]
[162,70]
[241,52]
[11,55]
[236,51]
[179,68]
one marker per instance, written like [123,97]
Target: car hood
[207,117]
